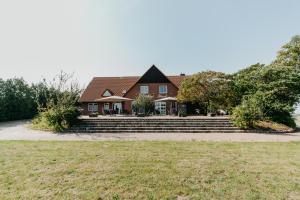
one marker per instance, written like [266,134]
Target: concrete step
[162,127]
[157,122]
[154,125]
[156,131]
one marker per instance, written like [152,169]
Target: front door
[161,107]
[118,107]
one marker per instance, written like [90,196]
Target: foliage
[277,85]
[246,82]
[16,100]
[143,104]
[56,119]
[57,102]
[289,55]
[249,112]
[209,88]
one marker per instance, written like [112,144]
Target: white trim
[106,106]
[92,107]
[144,89]
[165,89]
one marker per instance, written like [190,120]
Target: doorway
[117,107]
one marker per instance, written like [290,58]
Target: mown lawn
[149,170]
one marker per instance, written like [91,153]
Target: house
[104,94]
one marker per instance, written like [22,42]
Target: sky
[39,38]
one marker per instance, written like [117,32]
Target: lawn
[149,170]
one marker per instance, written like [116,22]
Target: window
[92,107]
[144,89]
[106,106]
[161,107]
[106,93]
[163,89]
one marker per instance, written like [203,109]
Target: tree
[276,86]
[281,89]
[16,100]
[57,102]
[143,104]
[246,82]
[289,55]
[209,88]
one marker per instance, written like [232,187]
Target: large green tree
[16,100]
[209,88]
[289,55]
[276,87]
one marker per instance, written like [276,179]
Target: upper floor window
[163,89]
[106,93]
[144,89]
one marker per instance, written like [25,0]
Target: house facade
[107,94]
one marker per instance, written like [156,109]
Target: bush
[246,114]
[143,104]
[57,104]
[56,119]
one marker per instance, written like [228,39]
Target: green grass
[149,170]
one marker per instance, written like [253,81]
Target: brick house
[102,93]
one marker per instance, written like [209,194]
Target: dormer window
[107,93]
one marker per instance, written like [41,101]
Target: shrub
[143,104]
[56,119]
[57,103]
[246,114]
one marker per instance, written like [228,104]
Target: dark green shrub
[246,114]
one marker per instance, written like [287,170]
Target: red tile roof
[117,85]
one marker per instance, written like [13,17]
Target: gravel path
[18,130]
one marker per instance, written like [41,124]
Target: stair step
[155,125]
[158,131]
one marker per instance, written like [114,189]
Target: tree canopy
[16,100]
[258,92]
[209,88]
[275,86]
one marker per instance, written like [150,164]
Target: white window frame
[165,90]
[106,106]
[93,107]
[144,89]
[106,93]
[161,106]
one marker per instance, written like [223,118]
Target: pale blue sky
[38,38]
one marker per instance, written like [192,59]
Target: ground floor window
[161,107]
[106,106]
[92,107]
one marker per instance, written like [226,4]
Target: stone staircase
[155,125]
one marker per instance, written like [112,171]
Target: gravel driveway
[18,130]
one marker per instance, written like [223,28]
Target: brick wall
[134,92]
